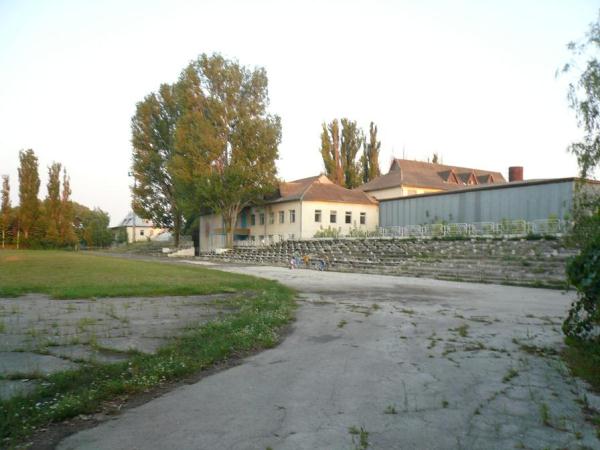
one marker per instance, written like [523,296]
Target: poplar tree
[5,208]
[66,214]
[330,152]
[370,157]
[153,139]
[352,139]
[52,204]
[29,186]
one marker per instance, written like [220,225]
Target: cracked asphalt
[411,363]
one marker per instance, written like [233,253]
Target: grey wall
[528,202]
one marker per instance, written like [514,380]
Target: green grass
[68,275]
[261,310]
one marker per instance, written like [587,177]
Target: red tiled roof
[320,188]
[429,175]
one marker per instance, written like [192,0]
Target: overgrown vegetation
[262,308]
[582,325]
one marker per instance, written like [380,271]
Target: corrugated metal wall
[528,202]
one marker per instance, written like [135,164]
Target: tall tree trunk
[230,219]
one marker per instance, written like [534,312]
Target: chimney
[515,173]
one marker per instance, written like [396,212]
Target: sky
[472,80]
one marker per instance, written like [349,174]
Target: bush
[583,273]
[328,232]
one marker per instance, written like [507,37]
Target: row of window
[292,217]
[281,214]
[333,217]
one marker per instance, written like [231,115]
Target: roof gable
[430,175]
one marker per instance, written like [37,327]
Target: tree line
[54,222]
[340,152]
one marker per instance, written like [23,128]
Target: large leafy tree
[583,272]
[92,226]
[226,140]
[5,208]
[584,98]
[29,186]
[330,152]
[370,157]
[153,138]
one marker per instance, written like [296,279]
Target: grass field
[262,308]
[79,275]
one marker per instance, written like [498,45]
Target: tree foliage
[66,216]
[584,98]
[5,209]
[29,186]
[52,205]
[153,139]
[92,227]
[330,152]
[351,142]
[583,271]
[370,157]
[340,150]
[226,140]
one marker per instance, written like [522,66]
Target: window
[271,218]
[261,218]
[252,238]
[332,216]
[291,235]
[292,216]
[348,216]
[317,215]
[281,216]
[141,232]
[252,219]
[363,218]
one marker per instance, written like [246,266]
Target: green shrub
[328,232]
[583,273]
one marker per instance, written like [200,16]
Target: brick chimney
[515,173]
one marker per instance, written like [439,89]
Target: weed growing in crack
[342,323]
[545,414]
[360,438]
[390,409]
[512,373]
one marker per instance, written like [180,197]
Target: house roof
[430,175]
[320,188]
[132,219]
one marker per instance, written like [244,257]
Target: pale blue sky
[471,80]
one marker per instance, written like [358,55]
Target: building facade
[520,200]
[137,229]
[299,210]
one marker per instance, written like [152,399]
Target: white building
[138,229]
[300,209]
